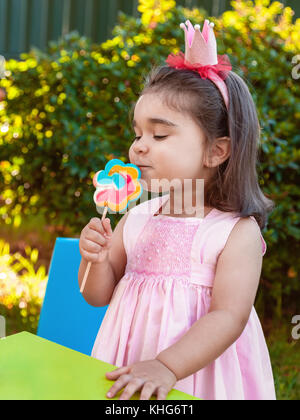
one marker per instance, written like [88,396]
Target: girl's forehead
[150,99]
[157,120]
[152,110]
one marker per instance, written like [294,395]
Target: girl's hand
[150,375]
[95,240]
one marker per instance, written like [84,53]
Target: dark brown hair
[234,185]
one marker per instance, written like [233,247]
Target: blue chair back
[66,318]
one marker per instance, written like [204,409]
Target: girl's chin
[150,185]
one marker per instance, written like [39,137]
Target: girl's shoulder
[223,222]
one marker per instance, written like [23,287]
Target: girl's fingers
[107,226]
[95,236]
[90,256]
[162,393]
[147,391]
[92,247]
[131,388]
[118,372]
[114,375]
[119,384]
[96,224]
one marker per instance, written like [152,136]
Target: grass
[285,358]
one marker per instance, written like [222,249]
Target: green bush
[66,114]
[22,288]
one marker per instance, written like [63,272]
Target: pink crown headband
[201,56]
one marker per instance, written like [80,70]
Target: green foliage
[22,288]
[66,114]
[285,358]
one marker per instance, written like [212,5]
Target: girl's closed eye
[156,137]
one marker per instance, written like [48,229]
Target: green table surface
[33,368]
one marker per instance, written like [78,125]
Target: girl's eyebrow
[158,121]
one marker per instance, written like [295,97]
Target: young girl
[181,288]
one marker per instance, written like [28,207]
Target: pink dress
[166,288]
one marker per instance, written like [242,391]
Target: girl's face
[178,154]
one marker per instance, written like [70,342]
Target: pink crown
[200,48]
[201,56]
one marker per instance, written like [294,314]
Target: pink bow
[206,72]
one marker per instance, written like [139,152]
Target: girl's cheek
[130,153]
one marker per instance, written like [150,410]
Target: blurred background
[70,72]
[33,23]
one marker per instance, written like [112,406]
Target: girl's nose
[140,146]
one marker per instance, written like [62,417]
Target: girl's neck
[183,213]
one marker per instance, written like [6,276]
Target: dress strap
[208,243]
[137,219]
[264,245]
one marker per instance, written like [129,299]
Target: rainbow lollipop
[116,186]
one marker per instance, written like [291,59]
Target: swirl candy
[116,186]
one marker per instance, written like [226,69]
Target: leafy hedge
[66,114]
[22,288]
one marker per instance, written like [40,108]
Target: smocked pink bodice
[165,250]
